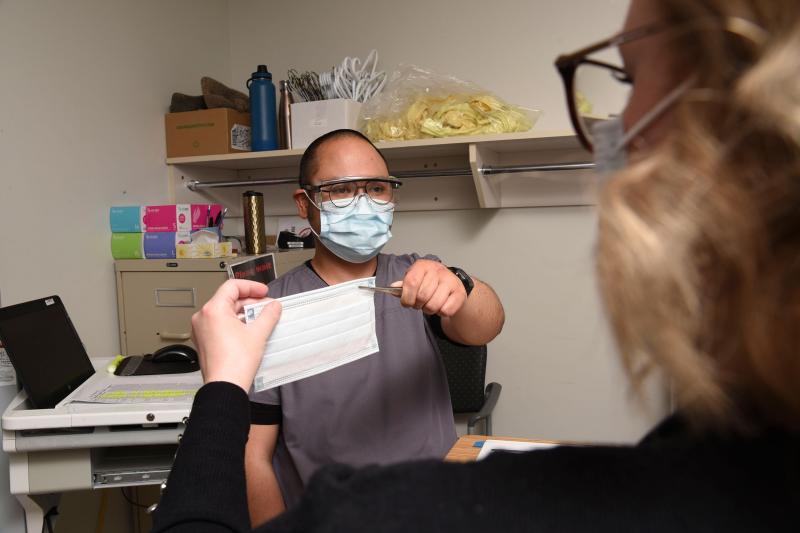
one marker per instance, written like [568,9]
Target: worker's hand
[228,349]
[429,286]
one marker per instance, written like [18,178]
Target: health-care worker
[393,405]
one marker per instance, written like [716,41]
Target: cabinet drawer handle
[188,296]
[176,336]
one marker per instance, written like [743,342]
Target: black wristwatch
[464,277]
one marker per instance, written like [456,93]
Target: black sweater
[672,481]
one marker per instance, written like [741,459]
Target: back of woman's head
[699,249]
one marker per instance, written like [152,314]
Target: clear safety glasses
[343,192]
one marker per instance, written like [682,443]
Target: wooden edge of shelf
[244,156]
[474,139]
[385,146]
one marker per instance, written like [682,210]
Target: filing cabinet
[156,298]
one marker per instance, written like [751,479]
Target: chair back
[466,374]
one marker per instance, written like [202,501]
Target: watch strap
[464,277]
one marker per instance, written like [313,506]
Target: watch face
[464,277]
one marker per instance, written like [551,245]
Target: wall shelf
[528,169]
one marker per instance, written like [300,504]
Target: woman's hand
[228,349]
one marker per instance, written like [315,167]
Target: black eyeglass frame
[567,64]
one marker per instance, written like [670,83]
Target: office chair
[466,374]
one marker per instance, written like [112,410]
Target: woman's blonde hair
[699,247]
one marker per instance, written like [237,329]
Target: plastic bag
[419,104]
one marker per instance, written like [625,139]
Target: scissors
[394,291]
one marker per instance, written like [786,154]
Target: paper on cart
[318,331]
[159,388]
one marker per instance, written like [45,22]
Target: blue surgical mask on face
[610,139]
[355,233]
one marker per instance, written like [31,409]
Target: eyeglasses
[342,192]
[596,89]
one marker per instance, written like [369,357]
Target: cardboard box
[313,119]
[194,250]
[157,218]
[207,132]
[147,245]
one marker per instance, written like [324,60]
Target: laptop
[45,349]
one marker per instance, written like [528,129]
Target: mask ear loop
[655,112]
[736,25]
[311,200]
[319,209]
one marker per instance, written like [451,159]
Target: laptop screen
[45,349]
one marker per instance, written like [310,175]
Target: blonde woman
[698,261]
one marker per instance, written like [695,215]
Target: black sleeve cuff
[207,483]
[264,414]
[435,324]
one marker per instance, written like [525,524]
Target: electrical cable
[134,503]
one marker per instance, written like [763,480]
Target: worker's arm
[264,498]
[479,320]
[474,320]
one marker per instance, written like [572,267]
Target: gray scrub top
[393,405]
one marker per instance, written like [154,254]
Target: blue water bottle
[263,122]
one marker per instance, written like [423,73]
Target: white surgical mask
[610,139]
[355,233]
[318,330]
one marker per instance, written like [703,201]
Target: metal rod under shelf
[195,185]
[488,171]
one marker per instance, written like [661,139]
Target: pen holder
[254,234]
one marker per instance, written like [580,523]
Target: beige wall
[84,85]
[84,88]
[507,46]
